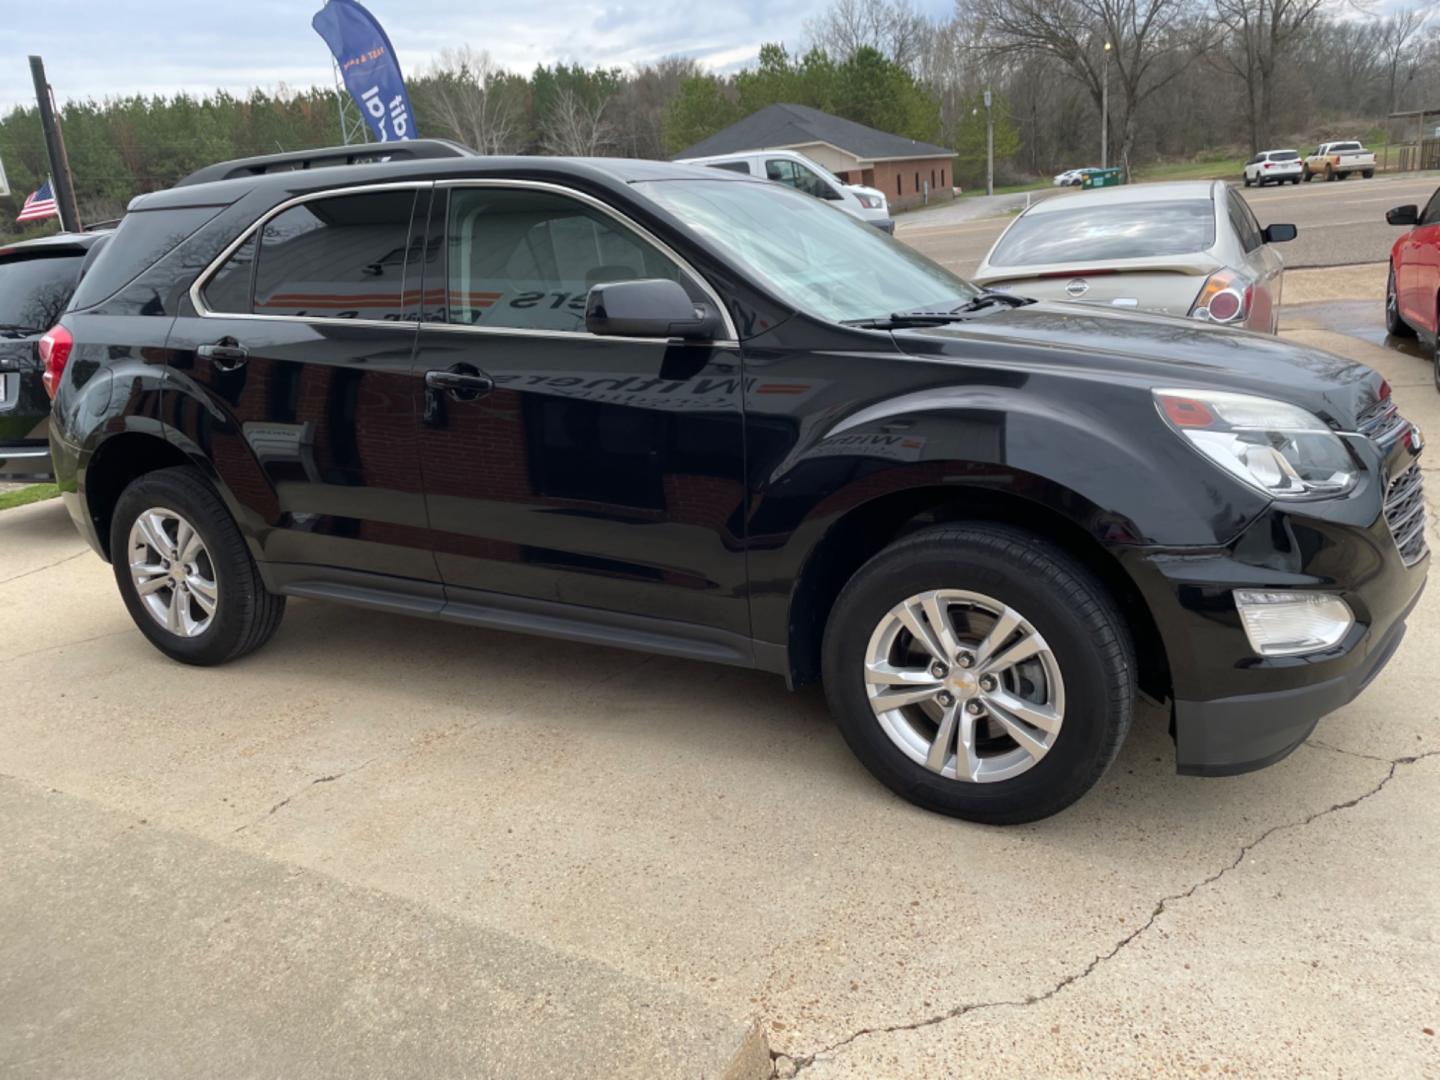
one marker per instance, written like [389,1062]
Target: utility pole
[55,149]
[989,147]
[1105,111]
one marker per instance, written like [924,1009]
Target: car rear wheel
[980,672]
[1306,174]
[1395,324]
[1247,179]
[1367,173]
[1329,173]
[185,573]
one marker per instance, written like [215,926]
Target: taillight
[1225,298]
[1266,165]
[55,349]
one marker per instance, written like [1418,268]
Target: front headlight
[871,202]
[1283,450]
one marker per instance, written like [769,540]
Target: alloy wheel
[172,571]
[964,685]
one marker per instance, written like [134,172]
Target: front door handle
[227,354]
[463,382]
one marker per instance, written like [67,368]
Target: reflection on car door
[303,393]
[1418,279]
[602,472]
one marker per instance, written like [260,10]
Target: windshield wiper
[940,316]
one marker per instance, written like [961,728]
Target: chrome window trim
[605,208]
[197,288]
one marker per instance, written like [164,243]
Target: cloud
[100,48]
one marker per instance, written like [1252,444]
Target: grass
[1219,169]
[26,495]
[1007,189]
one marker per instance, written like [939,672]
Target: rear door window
[35,289]
[527,259]
[1133,230]
[338,257]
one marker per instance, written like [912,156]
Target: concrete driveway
[400,848]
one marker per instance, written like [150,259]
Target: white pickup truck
[1337,160]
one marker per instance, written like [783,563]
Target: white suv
[1274,165]
[788,167]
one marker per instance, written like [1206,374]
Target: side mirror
[1403,215]
[1278,234]
[651,308]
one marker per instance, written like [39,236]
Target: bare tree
[1400,46]
[893,28]
[639,106]
[1151,43]
[574,127]
[1259,34]
[470,99]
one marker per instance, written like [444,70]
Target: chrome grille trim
[1381,422]
[1405,514]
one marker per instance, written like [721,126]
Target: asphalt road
[385,847]
[1340,223]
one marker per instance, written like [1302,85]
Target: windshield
[34,291]
[1115,231]
[812,256]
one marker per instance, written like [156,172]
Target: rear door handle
[226,354]
[462,381]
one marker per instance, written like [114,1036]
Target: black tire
[1296,180]
[1329,174]
[1247,180]
[1395,324]
[1367,173]
[245,616]
[1306,174]
[1070,609]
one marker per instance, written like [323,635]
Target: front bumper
[887,226]
[1235,711]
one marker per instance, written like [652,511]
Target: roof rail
[402,150]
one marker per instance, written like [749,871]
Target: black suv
[680,410]
[37,278]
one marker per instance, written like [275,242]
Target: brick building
[908,172]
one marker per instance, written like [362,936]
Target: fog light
[1287,623]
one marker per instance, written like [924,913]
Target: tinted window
[142,239]
[1113,231]
[1343,147]
[1285,155]
[797,176]
[527,259]
[229,290]
[1243,222]
[732,166]
[342,257]
[829,264]
[1431,214]
[34,291]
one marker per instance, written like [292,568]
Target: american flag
[40,205]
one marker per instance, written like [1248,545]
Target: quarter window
[228,291]
[341,257]
[1243,221]
[527,259]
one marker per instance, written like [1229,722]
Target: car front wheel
[980,672]
[185,573]
[1395,324]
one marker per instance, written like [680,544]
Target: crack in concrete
[803,1061]
[47,566]
[295,794]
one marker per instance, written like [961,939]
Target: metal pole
[55,149]
[1105,111]
[989,147]
[340,104]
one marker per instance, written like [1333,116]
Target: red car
[1412,295]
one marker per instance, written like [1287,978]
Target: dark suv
[680,410]
[37,278]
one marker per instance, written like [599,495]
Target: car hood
[1158,351]
[866,190]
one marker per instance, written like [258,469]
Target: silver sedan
[1188,249]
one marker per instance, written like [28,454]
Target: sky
[100,48]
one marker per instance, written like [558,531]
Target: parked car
[681,410]
[37,278]
[1273,166]
[1071,177]
[1184,248]
[1337,160]
[801,173]
[1412,292]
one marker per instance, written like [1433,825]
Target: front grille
[1381,422]
[1405,514]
